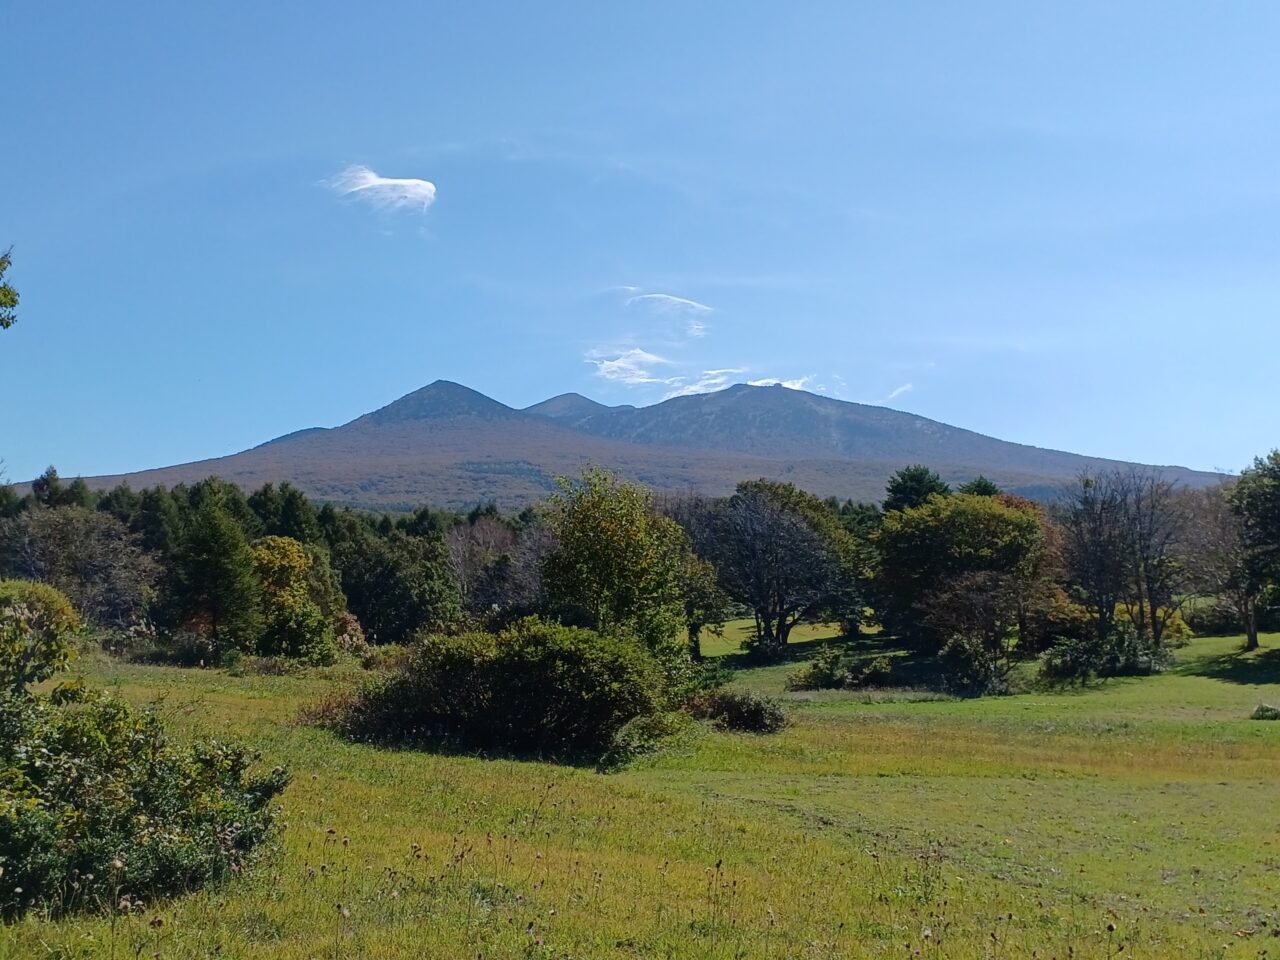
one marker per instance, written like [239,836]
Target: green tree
[8,295]
[911,487]
[1223,568]
[979,487]
[1255,501]
[158,521]
[397,585]
[285,511]
[925,550]
[217,589]
[781,552]
[617,563]
[294,625]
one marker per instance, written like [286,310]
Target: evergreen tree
[979,487]
[297,516]
[217,589]
[911,487]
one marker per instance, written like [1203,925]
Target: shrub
[739,710]
[1212,619]
[48,603]
[876,672]
[387,657]
[971,667]
[1122,654]
[536,688]
[642,736]
[827,671]
[35,641]
[96,805]
[832,670]
[1265,711]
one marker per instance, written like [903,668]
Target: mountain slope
[793,424]
[451,446]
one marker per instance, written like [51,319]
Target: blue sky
[1053,223]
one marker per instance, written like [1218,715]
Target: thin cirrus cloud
[709,382]
[668,303]
[633,366]
[691,312]
[358,182]
[899,391]
[799,383]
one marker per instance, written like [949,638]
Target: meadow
[1133,818]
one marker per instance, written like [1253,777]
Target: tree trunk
[1250,626]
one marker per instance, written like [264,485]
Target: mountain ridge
[452,446]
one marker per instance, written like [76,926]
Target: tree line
[1099,581]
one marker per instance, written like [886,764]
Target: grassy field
[1135,818]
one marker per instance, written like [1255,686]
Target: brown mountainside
[450,446]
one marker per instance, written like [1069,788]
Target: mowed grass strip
[875,826]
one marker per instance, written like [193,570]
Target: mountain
[451,446]
[572,408]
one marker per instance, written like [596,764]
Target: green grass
[872,827]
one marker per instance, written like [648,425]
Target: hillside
[452,446]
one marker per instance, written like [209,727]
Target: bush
[536,688]
[48,603]
[876,672]
[1212,619]
[642,736]
[970,667]
[97,806]
[739,710]
[1265,711]
[832,670]
[1122,654]
[35,641]
[827,671]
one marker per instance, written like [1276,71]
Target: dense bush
[971,668]
[1211,619]
[1121,654]
[536,688]
[37,625]
[739,710]
[827,671]
[832,669]
[42,600]
[96,805]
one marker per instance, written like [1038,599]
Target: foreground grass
[1133,818]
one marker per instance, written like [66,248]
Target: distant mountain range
[450,446]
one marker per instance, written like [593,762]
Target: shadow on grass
[910,668]
[1259,667]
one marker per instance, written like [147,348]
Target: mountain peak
[435,401]
[570,408]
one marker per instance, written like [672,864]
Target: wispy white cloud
[709,382]
[799,383]
[899,391]
[632,366]
[669,303]
[386,193]
[690,312]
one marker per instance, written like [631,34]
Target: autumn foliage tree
[617,564]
